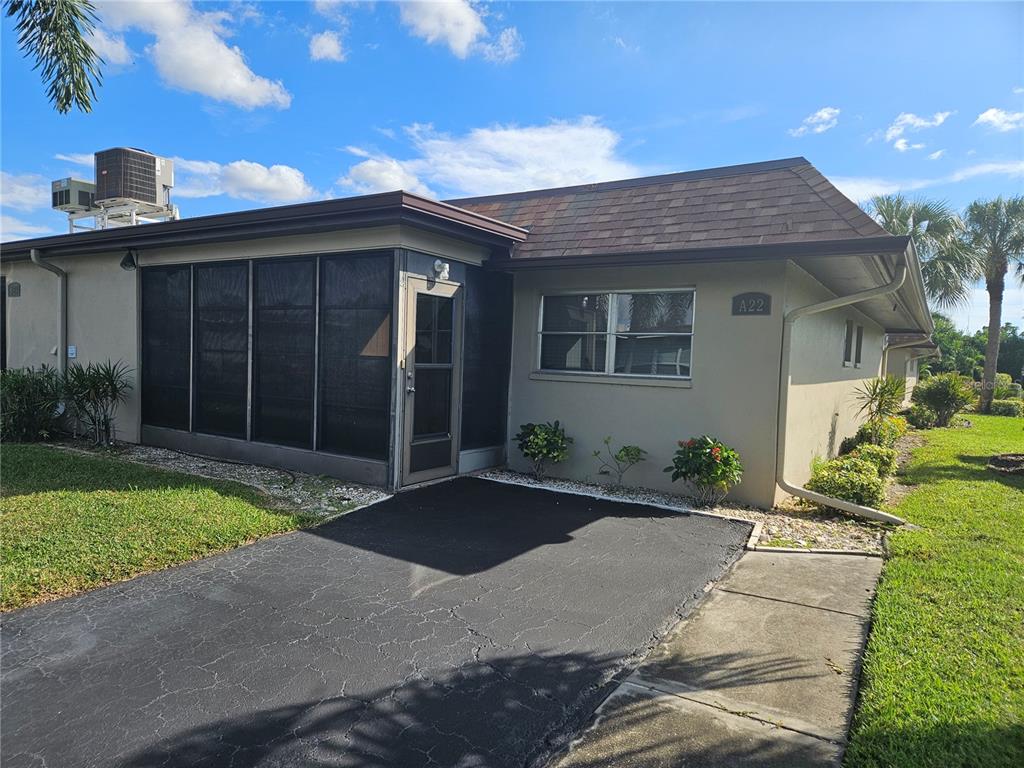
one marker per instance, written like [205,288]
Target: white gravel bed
[789,528]
[313,494]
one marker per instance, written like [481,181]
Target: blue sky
[269,103]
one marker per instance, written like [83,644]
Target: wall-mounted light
[440,269]
[130,260]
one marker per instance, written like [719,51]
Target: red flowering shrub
[709,465]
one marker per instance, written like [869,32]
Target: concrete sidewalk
[763,673]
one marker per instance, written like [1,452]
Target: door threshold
[425,483]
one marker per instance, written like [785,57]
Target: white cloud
[937,154]
[1001,120]
[908,121]
[902,145]
[111,47]
[507,47]
[86,159]
[863,188]
[459,24]
[823,120]
[24,192]
[190,52]
[1018,90]
[242,179]
[326,46]
[382,174]
[501,158]
[12,228]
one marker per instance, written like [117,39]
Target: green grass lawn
[943,680]
[73,522]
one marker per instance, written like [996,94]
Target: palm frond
[56,34]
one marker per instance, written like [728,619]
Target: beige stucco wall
[904,362]
[102,320]
[822,405]
[733,393]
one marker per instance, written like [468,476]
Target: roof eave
[888,244]
[347,213]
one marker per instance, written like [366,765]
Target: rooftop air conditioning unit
[73,195]
[133,176]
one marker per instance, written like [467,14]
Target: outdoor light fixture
[440,269]
[130,260]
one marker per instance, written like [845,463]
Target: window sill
[605,378]
[847,364]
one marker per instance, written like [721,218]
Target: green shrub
[94,391]
[541,443]
[709,465]
[945,394]
[1016,392]
[921,416]
[881,397]
[620,462]
[882,458]
[1007,408]
[884,432]
[848,478]
[1003,389]
[29,402]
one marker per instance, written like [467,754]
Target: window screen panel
[166,335]
[284,341]
[583,313]
[487,351]
[221,356]
[355,355]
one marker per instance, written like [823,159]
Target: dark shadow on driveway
[470,525]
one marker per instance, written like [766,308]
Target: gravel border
[787,530]
[321,496]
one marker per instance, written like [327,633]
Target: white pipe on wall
[62,306]
[780,449]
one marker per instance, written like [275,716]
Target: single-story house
[392,339]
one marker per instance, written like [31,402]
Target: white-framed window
[858,346]
[848,344]
[645,333]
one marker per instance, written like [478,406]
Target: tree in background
[56,34]
[995,236]
[960,353]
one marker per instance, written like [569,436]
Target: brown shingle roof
[780,201]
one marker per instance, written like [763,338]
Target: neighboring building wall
[822,397]
[102,320]
[733,394]
[902,362]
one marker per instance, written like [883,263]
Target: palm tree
[995,236]
[55,33]
[947,265]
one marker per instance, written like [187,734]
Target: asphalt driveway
[466,623]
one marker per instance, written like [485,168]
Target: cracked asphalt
[467,623]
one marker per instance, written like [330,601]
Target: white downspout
[62,306]
[780,449]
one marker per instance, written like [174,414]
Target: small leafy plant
[945,394]
[619,462]
[543,443]
[94,392]
[884,431]
[921,416]
[848,478]
[709,465]
[881,397]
